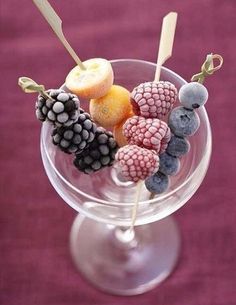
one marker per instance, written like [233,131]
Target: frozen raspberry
[148,133]
[153,100]
[137,163]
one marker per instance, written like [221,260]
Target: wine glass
[110,255]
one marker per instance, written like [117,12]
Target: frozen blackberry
[60,110]
[100,153]
[76,137]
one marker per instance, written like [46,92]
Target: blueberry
[158,183]
[183,122]
[178,146]
[169,165]
[193,95]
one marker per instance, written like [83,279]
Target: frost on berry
[153,100]
[137,163]
[147,133]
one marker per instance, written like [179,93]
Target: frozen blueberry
[183,122]
[158,183]
[193,95]
[169,165]
[178,146]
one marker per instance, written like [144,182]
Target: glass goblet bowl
[110,255]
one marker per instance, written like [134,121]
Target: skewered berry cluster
[152,148]
[183,122]
[74,131]
[150,102]
[93,146]
[164,143]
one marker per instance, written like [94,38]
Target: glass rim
[160,196]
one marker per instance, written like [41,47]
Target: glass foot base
[125,268]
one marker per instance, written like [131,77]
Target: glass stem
[125,237]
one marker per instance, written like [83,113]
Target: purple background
[35,264]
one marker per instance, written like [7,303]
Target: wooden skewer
[135,208]
[166,42]
[56,23]
[165,47]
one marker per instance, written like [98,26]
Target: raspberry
[148,133]
[76,137]
[61,110]
[137,163]
[100,153]
[153,100]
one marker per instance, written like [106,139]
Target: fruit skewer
[56,23]
[164,52]
[90,79]
[183,122]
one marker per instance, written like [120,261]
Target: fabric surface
[35,264]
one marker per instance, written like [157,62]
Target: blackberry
[76,137]
[61,110]
[100,153]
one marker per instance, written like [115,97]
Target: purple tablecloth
[35,264]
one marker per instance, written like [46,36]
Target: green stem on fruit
[208,68]
[135,207]
[30,86]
